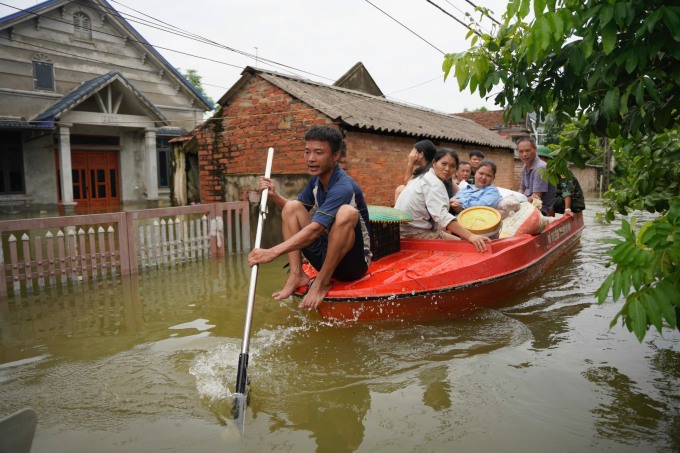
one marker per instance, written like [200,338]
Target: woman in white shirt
[426,199]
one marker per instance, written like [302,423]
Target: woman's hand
[479,242]
[413,156]
[455,205]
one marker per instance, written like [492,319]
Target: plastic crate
[384,239]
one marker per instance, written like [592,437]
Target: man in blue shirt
[328,223]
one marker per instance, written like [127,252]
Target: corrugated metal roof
[87,89]
[374,113]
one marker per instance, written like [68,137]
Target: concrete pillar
[151,165]
[65,167]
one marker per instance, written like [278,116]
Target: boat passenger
[533,185]
[568,193]
[328,223]
[481,193]
[418,162]
[476,158]
[460,179]
[426,199]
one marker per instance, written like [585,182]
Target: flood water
[148,365]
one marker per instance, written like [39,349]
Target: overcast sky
[323,38]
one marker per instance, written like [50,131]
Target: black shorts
[352,267]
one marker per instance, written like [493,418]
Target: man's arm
[298,241]
[410,164]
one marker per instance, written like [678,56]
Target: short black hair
[476,153]
[427,148]
[327,134]
[463,162]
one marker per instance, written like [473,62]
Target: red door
[95,178]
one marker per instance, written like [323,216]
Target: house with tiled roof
[265,108]
[87,107]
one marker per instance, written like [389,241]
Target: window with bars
[43,73]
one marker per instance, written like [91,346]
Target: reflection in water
[626,413]
[437,393]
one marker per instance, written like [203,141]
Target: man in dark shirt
[328,223]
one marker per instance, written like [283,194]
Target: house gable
[359,79]
[107,100]
[53,31]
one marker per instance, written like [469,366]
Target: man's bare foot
[315,295]
[293,283]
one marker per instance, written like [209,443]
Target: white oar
[241,376]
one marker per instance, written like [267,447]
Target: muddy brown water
[148,364]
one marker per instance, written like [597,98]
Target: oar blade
[239,410]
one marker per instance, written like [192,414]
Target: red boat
[429,279]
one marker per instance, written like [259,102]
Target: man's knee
[347,215]
[292,207]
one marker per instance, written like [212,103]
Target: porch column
[151,165]
[65,167]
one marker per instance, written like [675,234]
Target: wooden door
[95,178]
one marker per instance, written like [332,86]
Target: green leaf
[611,102]
[653,311]
[539,7]
[631,62]
[542,32]
[524,7]
[606,14]
[588,43]
[609,38]
[640,93]
[652,19]
[556,25]
[637,278]
[651,89]
[513,6]
[621,13]
[616,285]
[672,20]
[665,306]
[603,290]
[638,319]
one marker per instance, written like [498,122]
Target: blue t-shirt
[324,204]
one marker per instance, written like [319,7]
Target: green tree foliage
[195,78]
[611,65]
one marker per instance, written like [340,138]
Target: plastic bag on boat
[527,219]
[508,205]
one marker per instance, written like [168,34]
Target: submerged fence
[59,251]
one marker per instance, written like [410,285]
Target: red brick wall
[261,115]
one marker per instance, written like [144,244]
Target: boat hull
[442,279]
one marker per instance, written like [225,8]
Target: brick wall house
[266,109]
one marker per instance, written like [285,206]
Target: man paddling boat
[328,223]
